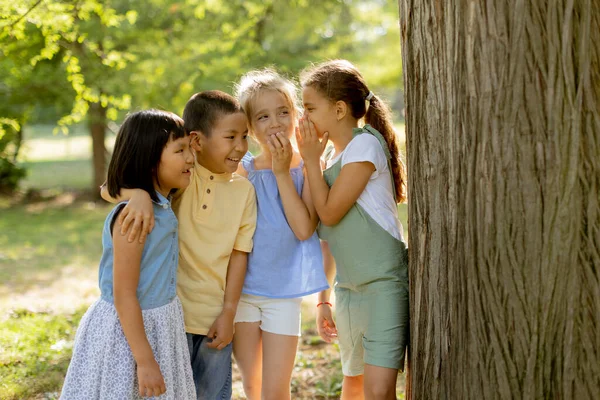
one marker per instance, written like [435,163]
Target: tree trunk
[97,123]
[503,142]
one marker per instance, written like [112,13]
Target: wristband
[325,302]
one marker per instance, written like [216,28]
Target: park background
[71,71]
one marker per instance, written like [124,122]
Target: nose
[241,145]
[274,121]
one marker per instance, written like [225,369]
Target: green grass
[41,239]
[35,350]
[72,174]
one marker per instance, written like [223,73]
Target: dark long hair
[138,149]
[339,80]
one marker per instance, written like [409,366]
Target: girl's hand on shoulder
[310,146]
[150,379]
[281,153]
[140,212]
[325,323]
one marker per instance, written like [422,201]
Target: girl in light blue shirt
[131,343]
[286,262]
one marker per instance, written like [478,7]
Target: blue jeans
[211,368]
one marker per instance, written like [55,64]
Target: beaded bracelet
[325,302]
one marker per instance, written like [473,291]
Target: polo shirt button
[204,207]
[212,177]
[208,191]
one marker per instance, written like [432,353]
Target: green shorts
[372,326]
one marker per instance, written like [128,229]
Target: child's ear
[196,140]
[341,109]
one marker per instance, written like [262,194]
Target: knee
[380,392]
[276,390]
[352,387]
[252,388]
[276,395]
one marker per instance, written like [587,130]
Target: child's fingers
[147,226]
[298,136]
[285,143]
[136,229]
[305,130]
[276,142]
[124,219]
[215,343]
[272,148]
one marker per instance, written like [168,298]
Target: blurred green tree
[119,55]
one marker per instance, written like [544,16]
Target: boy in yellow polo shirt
[217,218]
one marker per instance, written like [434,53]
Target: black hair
[203,109]
[138,149]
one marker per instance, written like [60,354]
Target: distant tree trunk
[97,125]
[503,141]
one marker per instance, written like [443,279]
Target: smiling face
[271,113]
[222,149]
[174,167]
[319,110]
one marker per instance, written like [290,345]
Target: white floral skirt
[103,367]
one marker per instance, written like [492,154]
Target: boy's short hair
[203,109]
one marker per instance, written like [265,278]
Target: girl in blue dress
[131,342]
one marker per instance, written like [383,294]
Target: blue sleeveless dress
[102,365]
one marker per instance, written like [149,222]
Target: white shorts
[279,316]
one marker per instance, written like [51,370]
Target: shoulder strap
[328,150]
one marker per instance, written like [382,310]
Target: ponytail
[340,80]
[379,117]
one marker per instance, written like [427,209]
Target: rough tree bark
[503,141]
[97,125]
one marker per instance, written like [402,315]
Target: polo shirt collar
[162,200]
[211,176]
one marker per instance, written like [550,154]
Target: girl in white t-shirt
[355,198]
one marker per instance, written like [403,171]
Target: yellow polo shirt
[217,214]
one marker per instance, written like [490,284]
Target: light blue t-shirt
[280,265]
[158,267]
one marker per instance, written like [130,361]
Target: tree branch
[24,15]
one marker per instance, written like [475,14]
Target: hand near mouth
[281,153]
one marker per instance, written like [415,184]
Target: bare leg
[352,388]
[380,383]
[247,349]
[279,353]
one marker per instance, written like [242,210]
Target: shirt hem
[194,331]
[270,296]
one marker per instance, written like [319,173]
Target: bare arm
[222,329]
[331,204]
[299,211]
[139,211]
[126,274]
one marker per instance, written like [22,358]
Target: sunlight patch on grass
[35,350]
